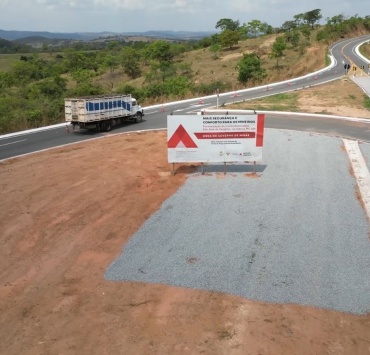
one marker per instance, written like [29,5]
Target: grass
[206,69]
[225,334]
[342,97]
[367,102]
[6,61]
[365,50]
[279,102]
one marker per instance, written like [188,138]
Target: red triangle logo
[181,135]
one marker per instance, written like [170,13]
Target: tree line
[32,92]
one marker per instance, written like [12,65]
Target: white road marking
[360,170]
[13,142]
[83,141]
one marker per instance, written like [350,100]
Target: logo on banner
[181,136]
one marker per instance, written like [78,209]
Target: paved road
[27,143]
[156,117]
[348,53]
[295,235]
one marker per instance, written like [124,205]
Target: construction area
[113,254]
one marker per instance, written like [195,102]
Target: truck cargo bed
[97,108]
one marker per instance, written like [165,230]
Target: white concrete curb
[284,113]
[360,170]
[318,72]
[357,50]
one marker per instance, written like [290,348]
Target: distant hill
[11,47]
[5,44]
[14,35]
[87,36]
[172,34]
[39,41]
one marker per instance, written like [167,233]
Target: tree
[289,26]
[215,49]
[299,19]
[111,62]
[295,39]
[204,42]
[250,68]
[22,71]
[130,61]
[160,71]
[244,31]
[86,88]
[311,17]
[6,80]
[292,37]
[177,86]
[161,51]
[254,27]
[323,36]
[228,38]
[114,46]
[75,59]
[51,87]
[227,24]
[162,54]
[278,49]
[266,29]
[335,20]
[366,22]
[306,32]
[81,75]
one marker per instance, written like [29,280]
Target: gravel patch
[294,234]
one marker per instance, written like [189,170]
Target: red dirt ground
[65,216]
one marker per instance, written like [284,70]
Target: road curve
[26,142]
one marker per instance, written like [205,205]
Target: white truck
[102,111]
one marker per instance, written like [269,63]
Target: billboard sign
[212,138]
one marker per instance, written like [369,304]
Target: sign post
[215,138]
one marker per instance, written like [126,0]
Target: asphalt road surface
[156,117]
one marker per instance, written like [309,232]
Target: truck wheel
[105,126]
[139,117]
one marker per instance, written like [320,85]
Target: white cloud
[64,4]
[169,5]
[145,15]
[123,4]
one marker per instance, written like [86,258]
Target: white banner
[215,138]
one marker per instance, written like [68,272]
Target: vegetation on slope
[33,86]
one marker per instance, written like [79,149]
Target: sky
[146,15]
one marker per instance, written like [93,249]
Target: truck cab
[136,109]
